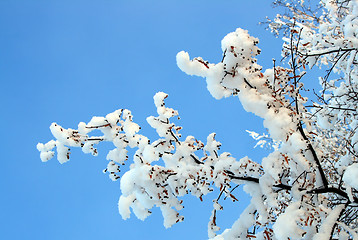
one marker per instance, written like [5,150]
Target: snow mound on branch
[286,224]
[350,176]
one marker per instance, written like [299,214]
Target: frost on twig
[264,140]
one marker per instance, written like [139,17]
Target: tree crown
[305,188]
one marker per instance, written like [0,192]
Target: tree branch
[328,52]
[288,187]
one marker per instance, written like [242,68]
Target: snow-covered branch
[305,188]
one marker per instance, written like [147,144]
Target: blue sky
[67,61]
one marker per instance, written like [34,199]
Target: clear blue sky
[68,60]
